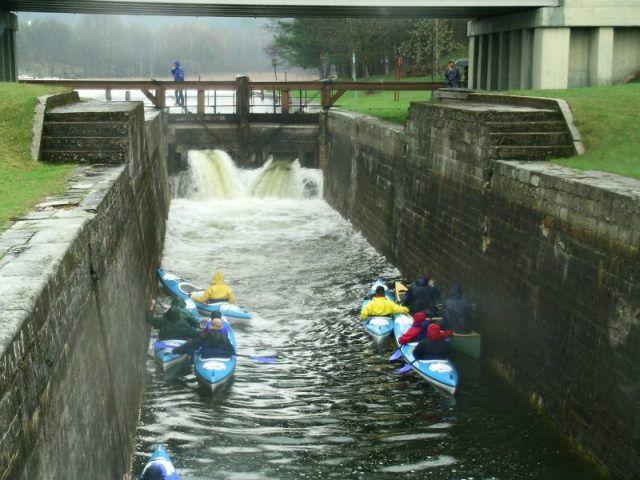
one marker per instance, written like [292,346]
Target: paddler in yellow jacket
[381,306]
[218,291]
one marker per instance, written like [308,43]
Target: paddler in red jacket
[436,345]
[417,331]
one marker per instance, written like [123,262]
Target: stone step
[93,111]
[86,144]
[530,139]
[88,129]
[87,116]
[516,127]
[538,152]
[525,116]
[70,156]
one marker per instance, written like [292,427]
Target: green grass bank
[607,117]
[23,182]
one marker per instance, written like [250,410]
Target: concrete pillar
[601,56]
[526,59]
[8,57]
[551,58]
[503,60]
[473,62]
[493,61]
[515,59]
[481,70]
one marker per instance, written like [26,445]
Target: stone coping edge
[43,104]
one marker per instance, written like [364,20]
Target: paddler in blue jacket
[218,291]
[177,323]
[381,306]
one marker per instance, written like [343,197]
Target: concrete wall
[581,43]
[8,63]
[77,274]
[550,255]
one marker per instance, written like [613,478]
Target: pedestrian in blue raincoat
[178,76]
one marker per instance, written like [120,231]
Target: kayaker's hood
[433,331]
[456,291]
[177,63]
[218,278]
[419,318]
[421,281]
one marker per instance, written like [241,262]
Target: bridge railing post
[243,100]
[284,100]
[200,102]
[161,98]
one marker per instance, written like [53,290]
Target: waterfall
[213,174]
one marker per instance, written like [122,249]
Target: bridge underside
[285,8]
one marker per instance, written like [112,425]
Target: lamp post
[274,64]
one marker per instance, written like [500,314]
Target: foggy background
[144,47]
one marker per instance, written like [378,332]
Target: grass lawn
[609,120]
[23,182]
[382,104]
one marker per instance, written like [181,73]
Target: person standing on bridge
[452,75]
[178,76]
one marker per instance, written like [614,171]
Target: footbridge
[253,120]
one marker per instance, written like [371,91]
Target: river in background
[332,407]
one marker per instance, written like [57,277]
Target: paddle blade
[395,356]
[259,359]
[404,370]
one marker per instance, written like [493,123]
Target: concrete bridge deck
[287,8]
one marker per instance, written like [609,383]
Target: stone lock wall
[549,254]
[77,274]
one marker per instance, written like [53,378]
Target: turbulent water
[332,407]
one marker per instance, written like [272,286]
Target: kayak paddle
[395,356]
[404,369]
[255,358]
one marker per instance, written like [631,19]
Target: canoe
[439,372]
[467,343]
[212,373]
[378,328]
[163,349]
[161,458]
[182,289]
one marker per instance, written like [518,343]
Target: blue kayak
[163,349]
[379,328]
[160,458]
[182,289]
[214,372]
[439,372]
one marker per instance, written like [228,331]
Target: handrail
[120,84]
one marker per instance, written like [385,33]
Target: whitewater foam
[214,174]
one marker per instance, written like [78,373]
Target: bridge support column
[551,58]
[8,62]
[581,43]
